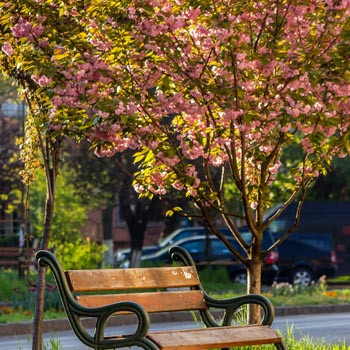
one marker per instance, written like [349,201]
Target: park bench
[156,289]
[15,257]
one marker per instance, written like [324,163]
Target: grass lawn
[22,316]
[218,284]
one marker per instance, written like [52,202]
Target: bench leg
[281,346]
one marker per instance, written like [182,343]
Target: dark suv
[304,258]
[209,250]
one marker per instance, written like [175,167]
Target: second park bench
[103,293]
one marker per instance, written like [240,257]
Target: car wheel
[302,276]
[239,277]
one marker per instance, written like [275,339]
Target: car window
[316,241]
[219,248]
[278,226]
[180,234]
[189,233]
[321,244]
[194,246]
[247,236]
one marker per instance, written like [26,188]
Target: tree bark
[254,283]
[136,213]
[40,287]
[135,257]
[137,234]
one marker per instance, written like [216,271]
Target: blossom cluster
[201,88]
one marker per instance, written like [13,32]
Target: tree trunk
[135,257]
[107,222]
[254,284]
[137,235]
[136,214]
[40,287]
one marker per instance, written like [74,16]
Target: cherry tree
[207,93]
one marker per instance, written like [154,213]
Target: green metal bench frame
[75,311]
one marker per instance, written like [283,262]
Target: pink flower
[178,185]
[38,30]
[40,18]
[103,46]
[22,29]
[275,167]
[104,152]
[138,188]
[7,48]
[41,80]
[44,43]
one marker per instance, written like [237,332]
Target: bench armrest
[75,311]
[233,304]
[107,311]
[230,305]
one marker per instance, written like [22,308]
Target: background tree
[96,181]
[21,60]
[71,213]
[224,88]
[107,182]
[11,186]
[335,184]
[11,128]
[198,89]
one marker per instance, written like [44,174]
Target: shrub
[80,254]
[318,288]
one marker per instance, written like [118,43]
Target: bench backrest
[16,251]
[148,287]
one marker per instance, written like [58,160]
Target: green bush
[71,213]
[80,254]
[26,301]
[10,285]
[216,278]
[288,289]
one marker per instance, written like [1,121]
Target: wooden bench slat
[152,302]
[207,338]
[17,249]
[9,262]
[137,278]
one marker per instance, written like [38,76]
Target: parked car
[209,250]
[304,258]
[323,218]
[181,233]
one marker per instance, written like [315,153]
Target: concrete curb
[12,329]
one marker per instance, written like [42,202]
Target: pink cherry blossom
[41,80]
[7,48]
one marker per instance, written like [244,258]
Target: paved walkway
[62,325]
[333,328]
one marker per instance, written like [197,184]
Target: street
[333,328]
